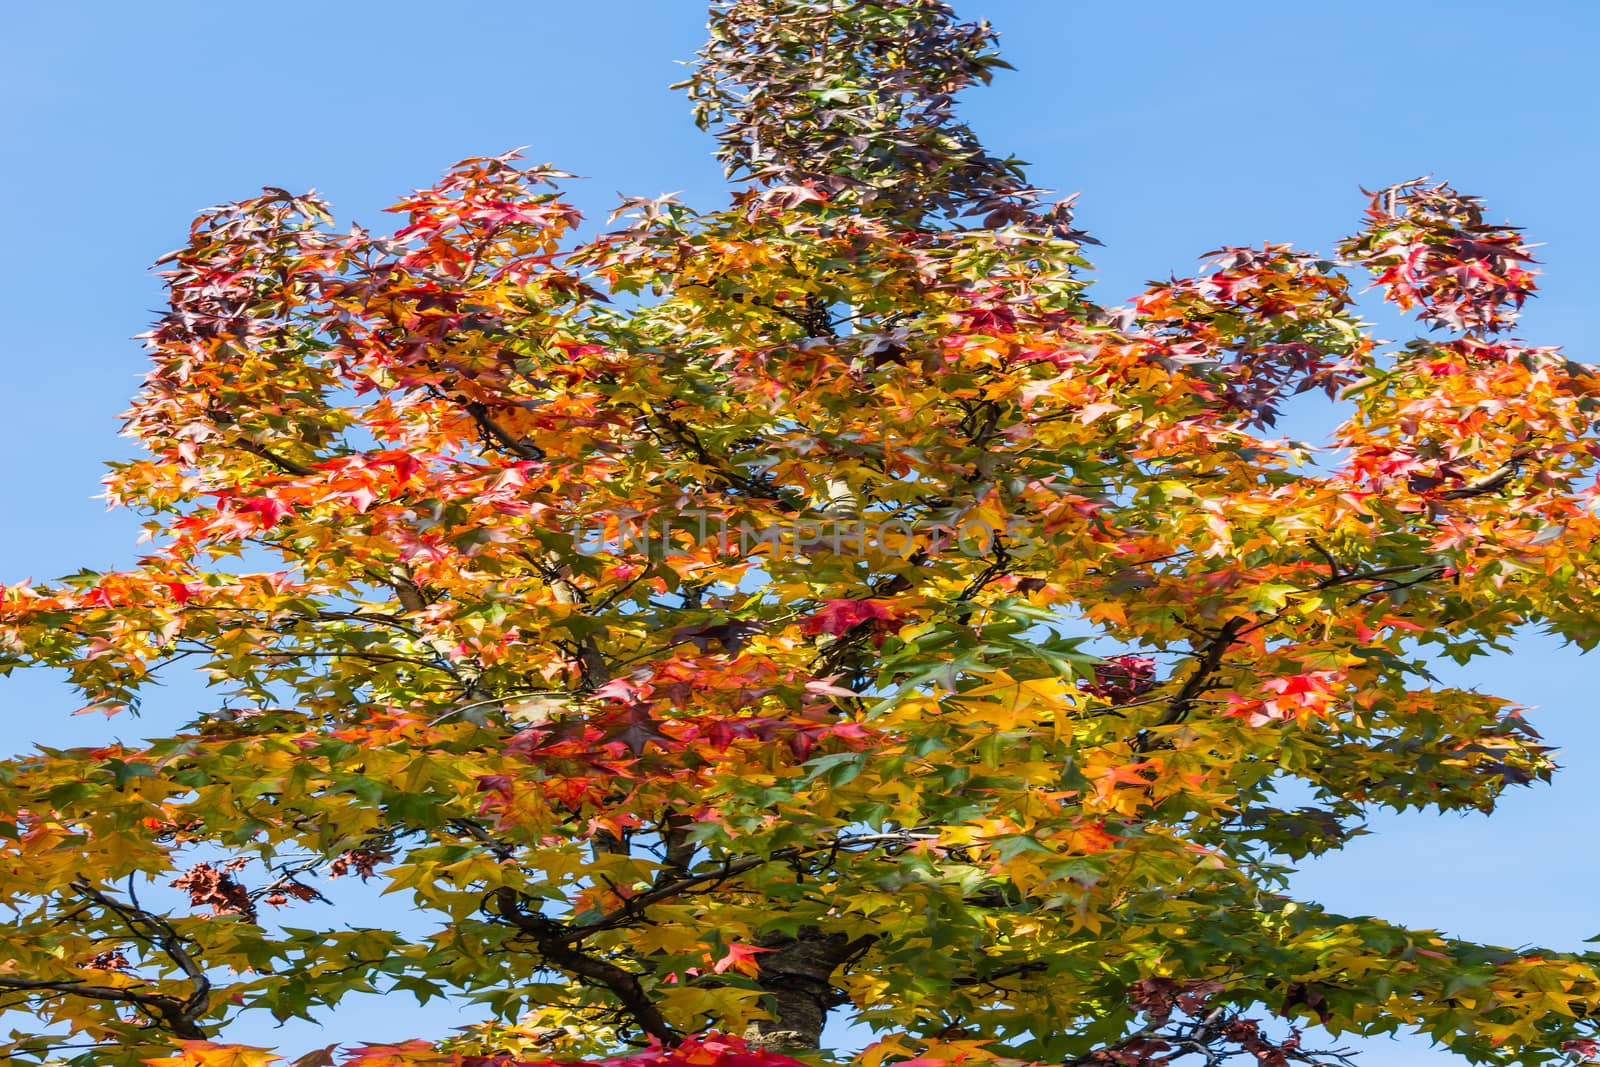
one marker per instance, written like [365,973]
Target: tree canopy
[816,606]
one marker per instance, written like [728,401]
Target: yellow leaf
[211,1054]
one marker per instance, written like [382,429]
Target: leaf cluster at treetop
[817,606]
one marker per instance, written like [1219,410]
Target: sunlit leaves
[692,620]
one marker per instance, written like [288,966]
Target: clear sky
[1185,126]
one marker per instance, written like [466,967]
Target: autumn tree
[816,606]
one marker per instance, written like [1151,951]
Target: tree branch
[686,438]
[283,463]
[1210,653]
[1495,479]
[154,929]
[169,1011]
[555,947]
[633,907]
[498,434]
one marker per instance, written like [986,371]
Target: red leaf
[841,616]
[741,958]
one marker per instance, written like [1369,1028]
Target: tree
[814,606]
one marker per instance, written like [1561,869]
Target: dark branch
[497,434]
[1492,481]
[686,438]
[553,941]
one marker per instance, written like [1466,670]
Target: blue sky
[1185,126]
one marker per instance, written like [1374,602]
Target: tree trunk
[798,977]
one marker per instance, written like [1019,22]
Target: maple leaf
[744,959]
[639,730]
[397,478]
[213,1054]
[1121,678]
[322,1057]
[270,509]
[839,617]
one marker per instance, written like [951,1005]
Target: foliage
[817,603]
